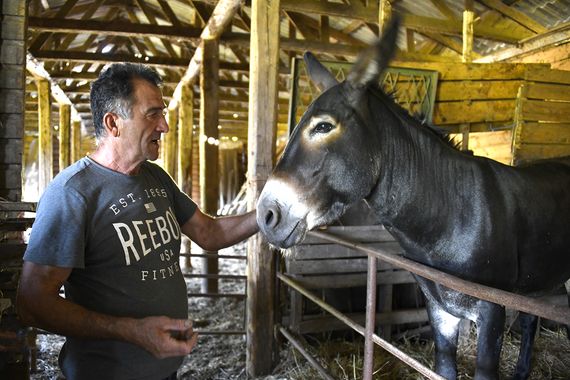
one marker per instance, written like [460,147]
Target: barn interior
[495,74]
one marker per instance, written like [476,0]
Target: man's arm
[39,304]
[213,234]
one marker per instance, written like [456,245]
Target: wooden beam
[545,41]
[114,28]
[264,58]
[170,140]
[220,18]
[162,61]
[75,140]
[514,15]
[369,14]
[468,17]
[64,136]
[45,147]
[186,122]
[208,149]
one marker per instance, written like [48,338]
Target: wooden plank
[10,176]
[13,52]
[18,206]
[14,8]
[328,323]
[334,251]
[537,110]
[13,28]
[548,91]
[12,77]
[475,71]
[348,280]
[477,90]
[473,112]
[11,151]
[533,152]
[11,125]
[544,74]
[545,133]
[12,101]
[262,119]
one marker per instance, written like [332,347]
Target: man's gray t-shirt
[121,235]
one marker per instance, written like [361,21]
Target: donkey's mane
[389,99]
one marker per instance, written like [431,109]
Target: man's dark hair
[113,91]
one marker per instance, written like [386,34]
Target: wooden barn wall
[542,117]
[12,87]
[486,97]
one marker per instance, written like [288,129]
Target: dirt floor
[222,357]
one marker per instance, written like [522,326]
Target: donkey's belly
[455,303]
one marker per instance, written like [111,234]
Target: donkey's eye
[323,127]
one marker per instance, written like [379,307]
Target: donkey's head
[331,160]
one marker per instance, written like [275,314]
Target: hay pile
[344,360]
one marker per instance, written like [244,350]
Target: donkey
[501,226]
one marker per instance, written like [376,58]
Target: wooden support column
[468,20]
[75,140]
[64,136]
[209,180]
[170,143]
[45,147]
[384,14]
[185,117]
[262,129]
[184,178]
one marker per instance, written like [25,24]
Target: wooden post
[75,140]
[64,136]
[468,19]
[184,178]
[170,143]
[209,182]
[185,116]
[45,148]
[384,14]
[262,129]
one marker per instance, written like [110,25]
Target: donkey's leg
[445,329]
[528,324]
[490,325]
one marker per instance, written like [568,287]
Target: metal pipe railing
[529,305]
[360,329]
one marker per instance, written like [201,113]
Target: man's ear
[110,123]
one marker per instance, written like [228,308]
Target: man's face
[142,131]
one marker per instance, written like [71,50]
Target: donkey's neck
[418,173]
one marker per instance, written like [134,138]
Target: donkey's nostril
[272,217]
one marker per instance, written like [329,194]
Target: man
[109,229]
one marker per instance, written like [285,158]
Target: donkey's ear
[319,74]
[374,60]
